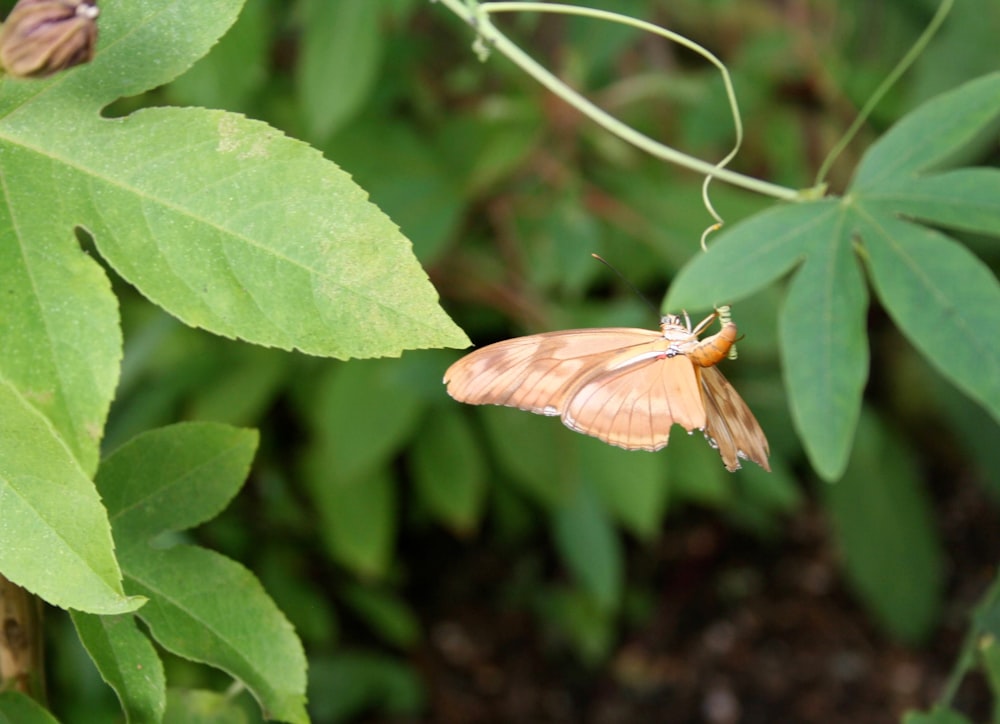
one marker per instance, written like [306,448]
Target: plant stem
[477,16]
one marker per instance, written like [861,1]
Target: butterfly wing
[537,372]
[635,399]
[730,426]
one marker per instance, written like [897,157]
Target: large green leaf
[55,539]
[824,350]
[202,606]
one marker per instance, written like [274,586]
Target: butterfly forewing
[730,425]
[534,373]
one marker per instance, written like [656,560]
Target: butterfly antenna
[630,285]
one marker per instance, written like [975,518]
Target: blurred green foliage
[505,192]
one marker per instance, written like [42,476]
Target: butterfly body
[624,386]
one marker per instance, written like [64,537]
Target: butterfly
[624,386]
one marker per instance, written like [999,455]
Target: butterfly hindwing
[730,425]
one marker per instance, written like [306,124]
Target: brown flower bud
[41,37]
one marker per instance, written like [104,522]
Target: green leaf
[943,298]
[448,469]
[752,254]
[223,221]
[202,605]
[589,546]
[18,708]
[127,662]
[938,133]
[174,478]
[825,351]
[357,518]
[55,539]
[341,51]
[882,518]
[208,608]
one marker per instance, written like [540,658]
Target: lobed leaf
[824,350]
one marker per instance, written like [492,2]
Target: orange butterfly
[624,386]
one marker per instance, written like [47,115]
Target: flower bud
[41,37]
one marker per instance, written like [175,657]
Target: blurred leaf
[127,662]
[825,351]
[202,606]
[358,519]
[348,683]
[695,471]
[18,708]
[937,715]
[234,69]
[538,454]
[361,414]
[243,387]
[53,514]
[588,625]
[448,469]
[632,485]
[388,615]
[884,528]
[589,546]
[341,51]
[196,706]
